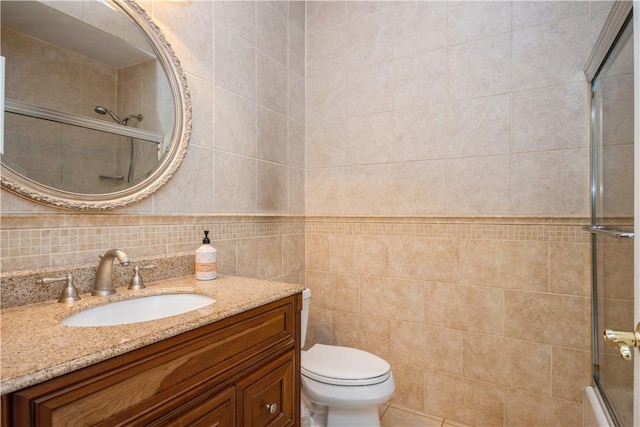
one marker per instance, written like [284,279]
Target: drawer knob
[272,408]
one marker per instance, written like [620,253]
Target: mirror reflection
[89,107]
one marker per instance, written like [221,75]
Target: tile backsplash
[20,287]
[49,240]
[251,246]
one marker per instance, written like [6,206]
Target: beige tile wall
[444,109]
[259,114]
[485,321]
[447,108]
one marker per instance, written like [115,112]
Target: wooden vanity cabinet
[239,371]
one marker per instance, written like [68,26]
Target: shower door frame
[636,180]
[615,23]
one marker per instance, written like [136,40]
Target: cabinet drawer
[267,394]
[214,411]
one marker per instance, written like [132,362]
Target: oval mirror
[97,110]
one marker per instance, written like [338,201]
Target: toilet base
[337,416]
[362,417]
[314,415]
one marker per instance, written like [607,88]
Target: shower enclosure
[613,203]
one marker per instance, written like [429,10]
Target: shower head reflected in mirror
[104,110]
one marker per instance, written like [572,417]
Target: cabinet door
[4,410]
[267,394]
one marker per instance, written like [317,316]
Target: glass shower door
[612,221]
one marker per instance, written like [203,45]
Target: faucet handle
[69,292]
[136,281]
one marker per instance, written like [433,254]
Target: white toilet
[342,386]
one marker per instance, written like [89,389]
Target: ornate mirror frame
[32,190]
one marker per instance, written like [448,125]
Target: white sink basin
[138,310]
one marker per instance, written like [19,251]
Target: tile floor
[397,417]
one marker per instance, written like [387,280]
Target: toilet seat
[344,366]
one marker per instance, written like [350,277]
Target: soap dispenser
[206,264]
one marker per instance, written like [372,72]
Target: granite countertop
[35,347]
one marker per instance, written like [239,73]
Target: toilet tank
[306,297]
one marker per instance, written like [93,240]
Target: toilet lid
[343,366]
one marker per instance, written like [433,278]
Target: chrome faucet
[104,275]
